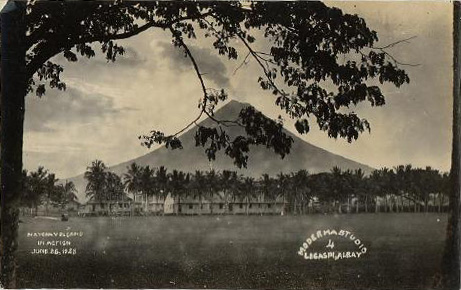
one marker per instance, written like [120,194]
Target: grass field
[404,251]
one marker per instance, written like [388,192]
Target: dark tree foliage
[304,66]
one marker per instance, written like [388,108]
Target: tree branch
[391,45]
[406,40]
[258,60]
[244,62]
[202,82]
[398,62]
[194,62]
[56,48]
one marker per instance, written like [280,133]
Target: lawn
[403,251]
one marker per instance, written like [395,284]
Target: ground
[403,251]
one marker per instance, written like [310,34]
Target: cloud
[211,66]
[131,57]
[72,106]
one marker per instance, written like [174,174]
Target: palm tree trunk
[440,203]
[248,205]
[357,206]
[283,203]
[295,205]
[348,204]
[179,206]
[211,205]
[366,203]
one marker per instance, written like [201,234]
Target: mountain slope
[303,155]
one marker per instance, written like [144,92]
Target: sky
[108,105]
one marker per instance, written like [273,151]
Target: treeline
[400,189]
[41,187]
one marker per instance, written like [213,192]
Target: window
[191,206]
[221,206]
[241,205]
[269,205]
[230,207]
[251,205]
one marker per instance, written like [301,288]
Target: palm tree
[337,186]
[67,193]
[147,184]
[300,193]
[51,190]
[249,191]
[177,186]
[406,183]
[226,181]
[131,179]
[114,188]
[375,186]
[267,187]
[96,177]
[198,186]
[35,187]
[358,188]
[213,185]
[444,189]
[187,185]
[234,188]
[161,183]
[282,188]
[70,192]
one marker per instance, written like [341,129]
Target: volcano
[303,155]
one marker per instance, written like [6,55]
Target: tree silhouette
[147,184]
[96,177]
[50,189]
[114,188]
[161,181]
[178,186]
[235,188]
[307,40]
[198,186]
[283,184]
[34,187]
[131,179]
[226,182]
[66,193]
[249,191]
